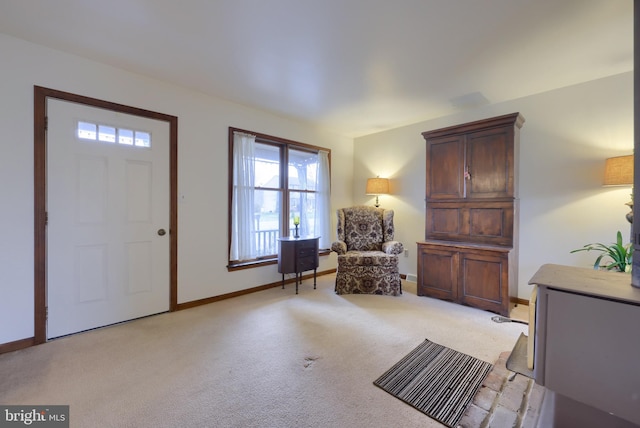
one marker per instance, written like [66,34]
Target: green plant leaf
[621,255]
[596,265]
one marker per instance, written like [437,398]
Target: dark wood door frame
[40,95]
[635,226]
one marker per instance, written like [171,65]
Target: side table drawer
[308,245]
[307,252]
[307,263]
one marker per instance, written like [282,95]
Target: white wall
[202,171]
[565,140]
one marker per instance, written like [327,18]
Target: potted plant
[620,255]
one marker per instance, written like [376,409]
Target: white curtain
[323,203]
[243,245]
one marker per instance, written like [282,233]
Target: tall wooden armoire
[470,251]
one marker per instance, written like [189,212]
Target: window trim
[261,138]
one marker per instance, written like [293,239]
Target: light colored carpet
[269,359]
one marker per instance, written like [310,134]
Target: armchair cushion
[367,258]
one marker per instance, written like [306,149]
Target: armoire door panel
[487,222]
[445,168]
[438,273]
[489,161]
[445,220]
[484,279]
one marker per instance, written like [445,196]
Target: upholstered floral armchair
[367,252]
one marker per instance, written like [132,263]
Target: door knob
[161,232]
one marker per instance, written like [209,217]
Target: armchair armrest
[339,247]
[392,247]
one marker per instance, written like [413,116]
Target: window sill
[263,262]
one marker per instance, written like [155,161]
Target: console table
[297,255]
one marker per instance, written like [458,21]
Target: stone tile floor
[505,400]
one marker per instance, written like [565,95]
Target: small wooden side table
[297,255]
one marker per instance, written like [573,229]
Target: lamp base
[629,215]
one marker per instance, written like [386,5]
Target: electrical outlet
[406,253]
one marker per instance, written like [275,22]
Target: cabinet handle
[467,172]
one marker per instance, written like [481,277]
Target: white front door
[108,217]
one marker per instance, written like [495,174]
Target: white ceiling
[356,66]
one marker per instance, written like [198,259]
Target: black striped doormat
[436,380]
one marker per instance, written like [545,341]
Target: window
[90,131]
[271,181]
